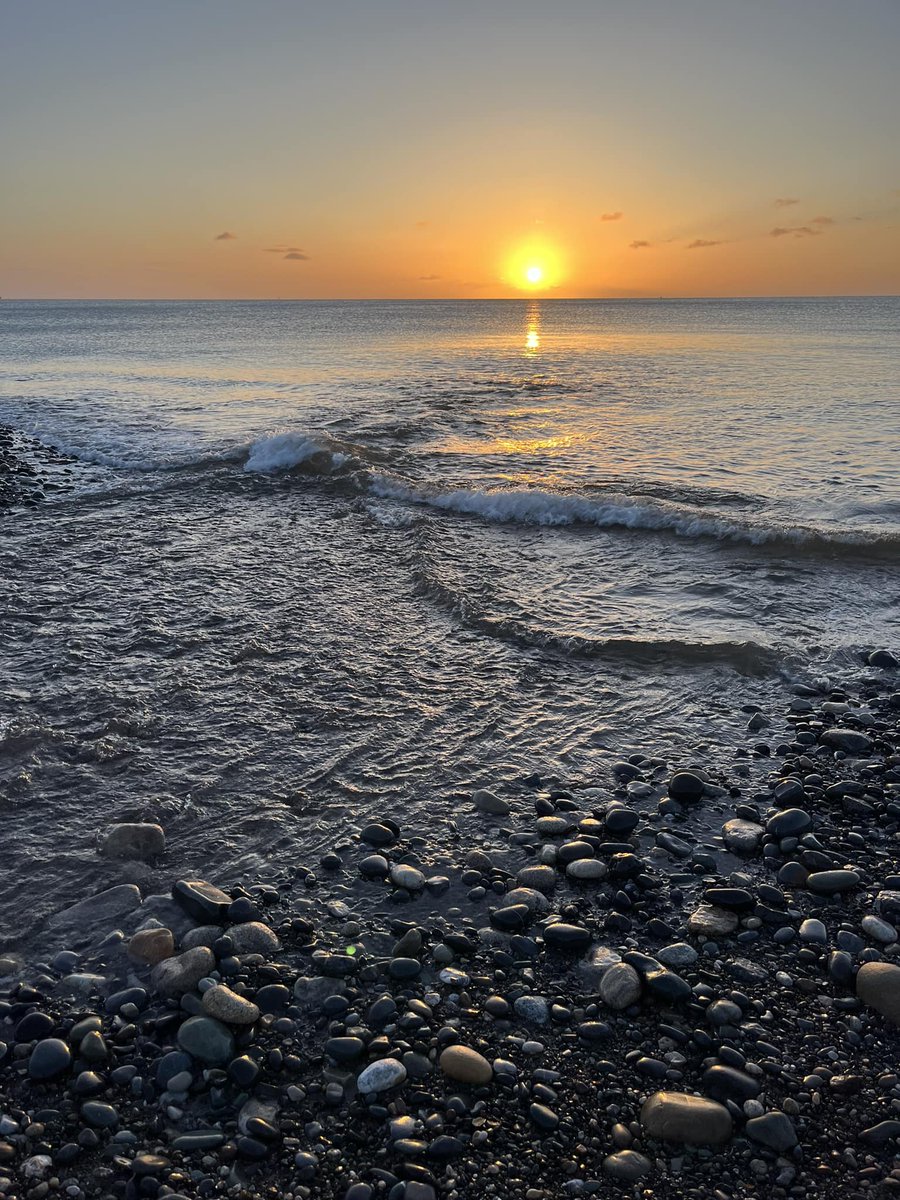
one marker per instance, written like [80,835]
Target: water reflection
[533,328]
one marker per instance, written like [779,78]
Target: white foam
[532,506]
[281,451]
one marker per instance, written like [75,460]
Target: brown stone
[677,1117]
[151,946]
[466,1065]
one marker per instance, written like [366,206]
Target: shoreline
[659,933]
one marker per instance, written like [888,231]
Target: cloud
[422,224]
[701,244]
[283,250]
[797,231]
[822,221]
[638,245]
[225,237]
[616,216]
[785,201]
[429,278]
[297,256]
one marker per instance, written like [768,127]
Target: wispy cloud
[422,224]
[785,201]
[616,216]
[822,221]
[701,244]
[429,278]
[287,251]
[797,231]
[227,236]
[297,256]
[639,246]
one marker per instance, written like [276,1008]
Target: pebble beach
[672,981]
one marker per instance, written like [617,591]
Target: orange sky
[408,149]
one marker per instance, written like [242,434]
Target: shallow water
[313,562]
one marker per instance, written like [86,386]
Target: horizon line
[439,299]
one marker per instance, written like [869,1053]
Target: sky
[447,148]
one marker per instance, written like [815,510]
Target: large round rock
[206,1039]
[878,986]
[466,1065]
[49,1058]
[694,1120]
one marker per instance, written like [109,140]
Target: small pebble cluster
[604,1001]
[26,470]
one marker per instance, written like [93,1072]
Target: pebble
[381,1076]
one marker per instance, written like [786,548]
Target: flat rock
[825,883]
[96,914]
[850,741]
[742,836]
[201,900]
[573,939]
[627,1165]
[539,878]
[693,1120]
[710,921]
[141,841]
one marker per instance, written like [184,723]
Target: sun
[534,265]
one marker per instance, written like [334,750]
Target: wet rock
[405,876]
[878,986]
[572,939]
[144,842]
[374,866]
[686,787]
[487,802]
[790,822]
[201,900]
[693,1120]
[465,1065]
[884,660]
[96,914]
[379,834]
[728,1083]
[742,837]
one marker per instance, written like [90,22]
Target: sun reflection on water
[533,329]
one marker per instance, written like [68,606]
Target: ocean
[284,566]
